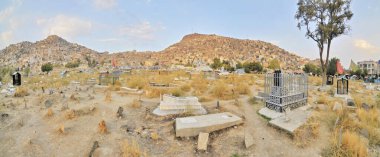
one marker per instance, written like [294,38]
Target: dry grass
[136,103]
[205,99]
[102,128]
[322,99]
[137,82]
[186,88]
[21,92]
[73,98]
[176,92]
[350,146]
[132,149]
[154,136]
[316,81]
[153,92]
[242,88]
[61,129]
[199,85]
[49,113]
[305,134]
[353,145]
[70,114]
[369,121]
[219,90]
[115,87]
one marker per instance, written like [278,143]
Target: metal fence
[285,90]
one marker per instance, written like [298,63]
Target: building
[373,67]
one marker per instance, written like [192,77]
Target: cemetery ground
[74,117]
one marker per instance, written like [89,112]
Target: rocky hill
[202,49]
[193,49]
[53,49]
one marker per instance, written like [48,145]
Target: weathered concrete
[293,120]
[192,126]
[248,140]
[177,105]
[203,141]
[268,113]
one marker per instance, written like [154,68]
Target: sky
[143,25]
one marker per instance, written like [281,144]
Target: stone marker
[119,113]
[192,126]
[248,140]
[202,141]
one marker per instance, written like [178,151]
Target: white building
[373,67]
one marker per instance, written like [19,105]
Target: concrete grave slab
[192,126]
[294,120]
[268,113]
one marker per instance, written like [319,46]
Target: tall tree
[331,68]
[324,20]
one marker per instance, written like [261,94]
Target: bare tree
[324,20]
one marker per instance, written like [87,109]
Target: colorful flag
[339,68]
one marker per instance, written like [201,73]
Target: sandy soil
[28,132]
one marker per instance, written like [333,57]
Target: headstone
[203,141]
[119,113]
[350,102]
[248,140]
[16,77]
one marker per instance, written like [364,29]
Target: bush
[47,67]
[72,65]
[186,88]
[350,146]
[219,89]
[176,92]
[132,149]
[21,92]
[242,88]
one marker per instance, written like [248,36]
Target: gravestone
[330,80]
[342,86]
[285,90]
[16,77]
[177,105]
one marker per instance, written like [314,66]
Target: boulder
[48,103]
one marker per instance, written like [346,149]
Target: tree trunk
[326,63]
[323,68]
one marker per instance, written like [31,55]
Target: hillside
[53,49]
[202,49]
[193,49]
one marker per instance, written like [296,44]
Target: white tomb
[177,105]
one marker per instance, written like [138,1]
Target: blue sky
[121,25]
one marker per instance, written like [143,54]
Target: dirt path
[268,141]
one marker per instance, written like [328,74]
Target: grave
[342,86]
[178,105]
[286,101]
[285,90]
[106,78]
[329,80]
[16,77]
[192,126]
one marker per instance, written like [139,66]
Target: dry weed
[132,149]
[21,92]
[102,127]
[108,97]
[49,113]
[61,129]
[136,103]
[306,133]
[70,114]
[154,136]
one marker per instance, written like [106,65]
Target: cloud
[66,26]
[109,40]
[365,46]
[143,30]
[104,4]
[8,23]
